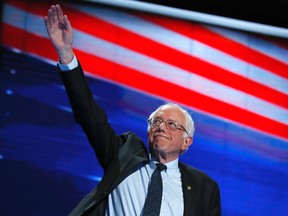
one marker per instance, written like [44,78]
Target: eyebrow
[169,119]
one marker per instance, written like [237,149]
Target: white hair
[189,125]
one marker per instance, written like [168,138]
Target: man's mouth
[160,135]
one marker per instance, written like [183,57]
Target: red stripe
[151,48]
[138,43]
[32,6]
[28,42]
[41,7]
[8,40]
[213,39]
[132,78]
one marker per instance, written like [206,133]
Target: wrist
[68,67]
[65,56]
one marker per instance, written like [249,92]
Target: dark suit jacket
[119,155]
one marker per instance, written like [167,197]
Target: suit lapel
[189,192]
[131,155]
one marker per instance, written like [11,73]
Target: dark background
[271,12]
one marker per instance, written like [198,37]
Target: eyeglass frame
[177,125]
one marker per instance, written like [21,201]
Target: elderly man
[135,181]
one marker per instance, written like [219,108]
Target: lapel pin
[189,187]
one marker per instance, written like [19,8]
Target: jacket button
[189,187]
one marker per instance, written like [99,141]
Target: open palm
[59,31]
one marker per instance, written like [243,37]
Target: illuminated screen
[234,83]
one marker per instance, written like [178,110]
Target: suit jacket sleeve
[90,116]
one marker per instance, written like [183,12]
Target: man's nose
[162,126]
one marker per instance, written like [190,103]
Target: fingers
[54,15]
[50,16]
[59,12]
[47,23]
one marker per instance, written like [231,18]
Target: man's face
[166,143]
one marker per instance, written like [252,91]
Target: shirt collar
[171,165]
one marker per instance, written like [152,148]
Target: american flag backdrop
[235,84]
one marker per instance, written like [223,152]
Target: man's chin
[158,146]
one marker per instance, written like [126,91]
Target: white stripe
[14,16]
[242,68]
[261,45]
[23,20]
[152,67]
[172,74]
[191,47]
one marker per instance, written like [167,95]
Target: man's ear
[187,142]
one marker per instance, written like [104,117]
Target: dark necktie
[154,196]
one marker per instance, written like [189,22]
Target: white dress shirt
[129,197]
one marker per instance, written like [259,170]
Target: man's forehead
[169,112]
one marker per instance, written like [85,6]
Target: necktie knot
[161,167]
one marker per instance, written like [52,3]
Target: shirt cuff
[67,67]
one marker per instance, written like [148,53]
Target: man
[127,165]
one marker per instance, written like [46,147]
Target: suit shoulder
[196,174]
[131,139]
[130,136]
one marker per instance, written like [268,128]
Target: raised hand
[60,33]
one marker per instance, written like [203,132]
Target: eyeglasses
[170,125]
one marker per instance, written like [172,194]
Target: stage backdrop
[235,85]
